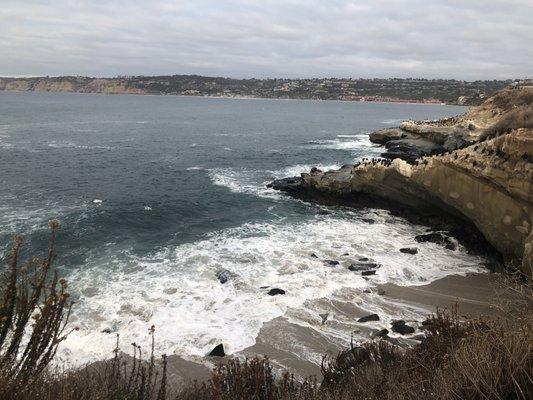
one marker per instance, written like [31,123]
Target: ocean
[156,194]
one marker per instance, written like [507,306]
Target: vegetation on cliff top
[415,90]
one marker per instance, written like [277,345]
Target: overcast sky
[464,39]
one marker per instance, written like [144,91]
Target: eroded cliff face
[487,179]
[80,85]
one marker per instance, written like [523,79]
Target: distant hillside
[392,90]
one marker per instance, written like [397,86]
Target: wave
[395,121]
[359,143]
[72,145]
[254,181]
[177,291]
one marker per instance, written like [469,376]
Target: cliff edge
[477,166]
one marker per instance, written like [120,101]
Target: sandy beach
[299,348]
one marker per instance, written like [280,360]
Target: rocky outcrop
[483,174]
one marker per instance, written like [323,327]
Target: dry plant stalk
[34,311]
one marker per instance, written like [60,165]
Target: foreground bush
[457,359]
[34,310]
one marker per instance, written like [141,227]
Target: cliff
[478,166]
[391,90]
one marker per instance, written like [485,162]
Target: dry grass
[458,359]
[513,97]
[520,117]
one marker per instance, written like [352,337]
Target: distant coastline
[436,91]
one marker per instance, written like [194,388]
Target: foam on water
[177,290]
[345,142]
[72,145]
[254,182]
[394,121]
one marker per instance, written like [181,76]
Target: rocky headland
[474,170]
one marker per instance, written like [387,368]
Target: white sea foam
[254,181]
[177,290]
[195,168]
[72,145]
[345,142]
[396,121]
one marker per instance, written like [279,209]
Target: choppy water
[157,194]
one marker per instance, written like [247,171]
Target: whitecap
[395,121]
[200,312]
[361,142]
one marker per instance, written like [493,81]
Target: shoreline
[403,102]
[285,342]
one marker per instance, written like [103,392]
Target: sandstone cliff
[480,168]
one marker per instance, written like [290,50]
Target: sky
[460,39]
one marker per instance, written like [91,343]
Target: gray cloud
[465,39]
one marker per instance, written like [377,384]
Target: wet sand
[299,347]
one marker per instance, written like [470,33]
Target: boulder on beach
[438,238]
[383,333]
[409,250]
[275,292]
[225,275]
[369,318]
[218,351]
[363,266]
[401,327]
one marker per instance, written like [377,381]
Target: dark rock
[292,185]
[438,238]
[369,318]
[346,254]
[315,170]
[331,263]
[314,255]
[368,273]
[364,259]
[106,330]
[324,317]
[381,292]
[369,220]
[367,291]
[218,351]
[264,287]
[363,266]
[381,333]
[409,250]
[275,291]
[410,149]
[401,328]
[225,275]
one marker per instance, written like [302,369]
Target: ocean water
[156,194]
